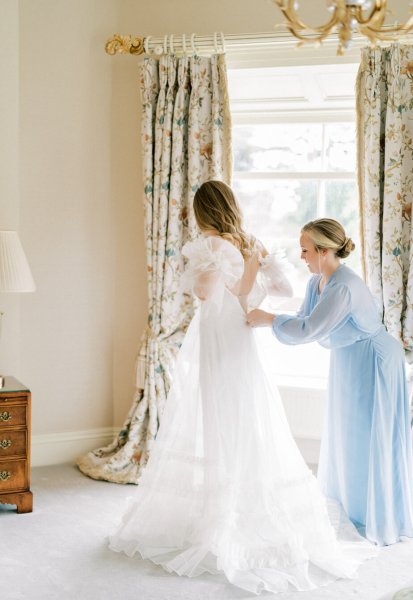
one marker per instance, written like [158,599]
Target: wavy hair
[217,209]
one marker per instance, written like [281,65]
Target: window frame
[254,117]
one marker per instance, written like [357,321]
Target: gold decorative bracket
[124,44]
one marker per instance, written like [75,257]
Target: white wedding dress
[226,489]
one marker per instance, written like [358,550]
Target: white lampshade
[15,274]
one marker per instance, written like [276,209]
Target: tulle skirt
[226,489]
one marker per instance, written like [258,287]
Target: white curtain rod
[195,44]
[216,41]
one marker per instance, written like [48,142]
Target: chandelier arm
[316,36]
[347,17]
[384,35]
[377,15]
[293,20]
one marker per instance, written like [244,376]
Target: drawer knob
[5,416]
[5,444]
[5,475]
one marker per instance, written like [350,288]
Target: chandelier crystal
[347,16]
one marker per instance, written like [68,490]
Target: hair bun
[346,248]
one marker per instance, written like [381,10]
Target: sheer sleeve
[330,313]
[213,265]
[273,275]
[311,289]
[271,280]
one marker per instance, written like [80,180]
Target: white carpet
[59,552]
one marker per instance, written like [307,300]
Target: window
[291,167]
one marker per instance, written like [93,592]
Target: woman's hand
[260,318]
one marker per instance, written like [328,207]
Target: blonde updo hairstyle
[217,209]
[330,234]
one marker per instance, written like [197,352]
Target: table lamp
[15,274]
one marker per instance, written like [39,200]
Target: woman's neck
[328,270]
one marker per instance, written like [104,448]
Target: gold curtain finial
[124,44]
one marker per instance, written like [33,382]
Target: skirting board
[59,448]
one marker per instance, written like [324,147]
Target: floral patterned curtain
[186,140]
[385,134]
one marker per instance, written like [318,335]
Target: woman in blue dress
[366,451]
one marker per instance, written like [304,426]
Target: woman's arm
[250,273]
[330,313]
[261,318]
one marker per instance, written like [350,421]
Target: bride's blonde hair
[217,209]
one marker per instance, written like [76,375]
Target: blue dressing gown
[366,451]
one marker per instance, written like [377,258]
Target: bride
[226,489]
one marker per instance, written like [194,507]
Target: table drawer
[12,399]
[13,415]
[13,443]
[13,475]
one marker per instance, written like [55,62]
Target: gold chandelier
[347,16]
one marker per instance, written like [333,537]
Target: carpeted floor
[59,552]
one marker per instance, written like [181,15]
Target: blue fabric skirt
[366,452]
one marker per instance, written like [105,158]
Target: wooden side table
[15,445]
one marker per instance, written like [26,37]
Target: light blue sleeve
[330,313]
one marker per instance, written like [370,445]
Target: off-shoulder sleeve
[330,313]
[213,264]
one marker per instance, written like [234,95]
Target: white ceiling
[294,88]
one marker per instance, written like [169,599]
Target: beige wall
[80,216]
[71,183]
[9,179]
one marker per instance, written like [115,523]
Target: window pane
[340,147]
[278,147]
[274,212]
[276,209]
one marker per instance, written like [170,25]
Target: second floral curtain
[385,131]
[186,134]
